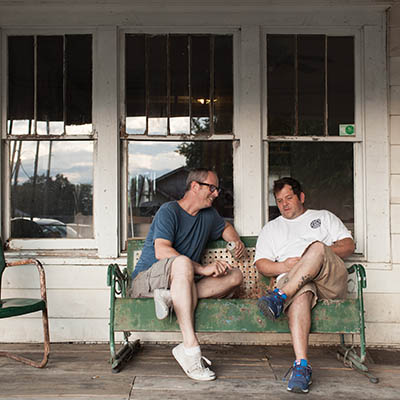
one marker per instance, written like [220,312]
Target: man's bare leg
[210,287]
[184,298]
[305,270]
[299,314]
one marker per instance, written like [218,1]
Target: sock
[191,351]
[303,362]
[280,293]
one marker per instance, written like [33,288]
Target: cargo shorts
[329,284]
[156,277]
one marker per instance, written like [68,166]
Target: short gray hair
[197,175]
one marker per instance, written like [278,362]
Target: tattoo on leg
[285,281]
[303,280]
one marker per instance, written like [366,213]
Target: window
[178,115]
[311,118]
[49,136]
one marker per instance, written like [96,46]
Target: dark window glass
[158,171]
[325,171]
[340,83]
[50,80]
[20,84]
[179,97]
[157,67]
[281,84]
[52,74]
[179,84]
[51,189]
[311,84]
[223,84]
[200,84]
[310,81]
[78,66]
[135,81]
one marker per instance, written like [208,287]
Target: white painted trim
[106,123]
[248,179]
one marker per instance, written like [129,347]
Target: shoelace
[199,365]
[298,368]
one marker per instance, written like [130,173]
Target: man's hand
[239,249]
[217,268]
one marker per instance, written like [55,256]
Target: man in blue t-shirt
[169,268]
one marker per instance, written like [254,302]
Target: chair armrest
[39,266]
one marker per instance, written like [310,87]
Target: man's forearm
[343,248]
[270,268]
[229,233]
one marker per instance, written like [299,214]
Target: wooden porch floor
[81,371]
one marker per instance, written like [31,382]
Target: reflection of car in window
[41,228]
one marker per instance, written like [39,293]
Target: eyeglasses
[212,188]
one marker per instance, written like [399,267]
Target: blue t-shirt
[187,233]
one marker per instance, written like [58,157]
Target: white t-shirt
[282,238]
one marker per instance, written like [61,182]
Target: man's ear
[302,197]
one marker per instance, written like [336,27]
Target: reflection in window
[51,189]
[310,84]
[178,84]
[49,85]
[325,171]
[157,173]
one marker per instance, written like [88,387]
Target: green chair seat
[20,306]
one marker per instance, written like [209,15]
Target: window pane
[200,84]
[135,81]
[179,98]
[311,84]
[50,64]
[51,189]
[340,83]
[157,64]
[78,60]
[20,85]
[281,84]
[325,171]
[157,173]
[223,84]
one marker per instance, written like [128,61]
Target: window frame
[126,138]
[365,224]
[6,140]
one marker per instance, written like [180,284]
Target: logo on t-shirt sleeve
[316,223]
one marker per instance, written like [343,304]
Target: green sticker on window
[347,130]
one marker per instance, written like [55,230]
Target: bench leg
[350,358]
[124,355]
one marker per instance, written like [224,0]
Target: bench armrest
[118,280]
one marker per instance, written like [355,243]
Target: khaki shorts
[330,283]
[156,277]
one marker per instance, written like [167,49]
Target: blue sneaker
[300,379]
[271,305]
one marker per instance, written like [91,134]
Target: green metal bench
[239,314]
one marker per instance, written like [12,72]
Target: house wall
[78,296]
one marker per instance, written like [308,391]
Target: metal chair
[11,307]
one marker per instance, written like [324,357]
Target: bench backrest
[253,284]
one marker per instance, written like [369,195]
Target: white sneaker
[162,302]
[193,365]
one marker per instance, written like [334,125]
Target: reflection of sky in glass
[72,159]
[21,127]
[159,157]
[158,126]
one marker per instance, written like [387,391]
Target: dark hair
[197,175]
[295,185]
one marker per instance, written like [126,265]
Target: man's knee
[316,248]
[182,266]
[236,277]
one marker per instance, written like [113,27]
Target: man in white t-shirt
[304,250]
